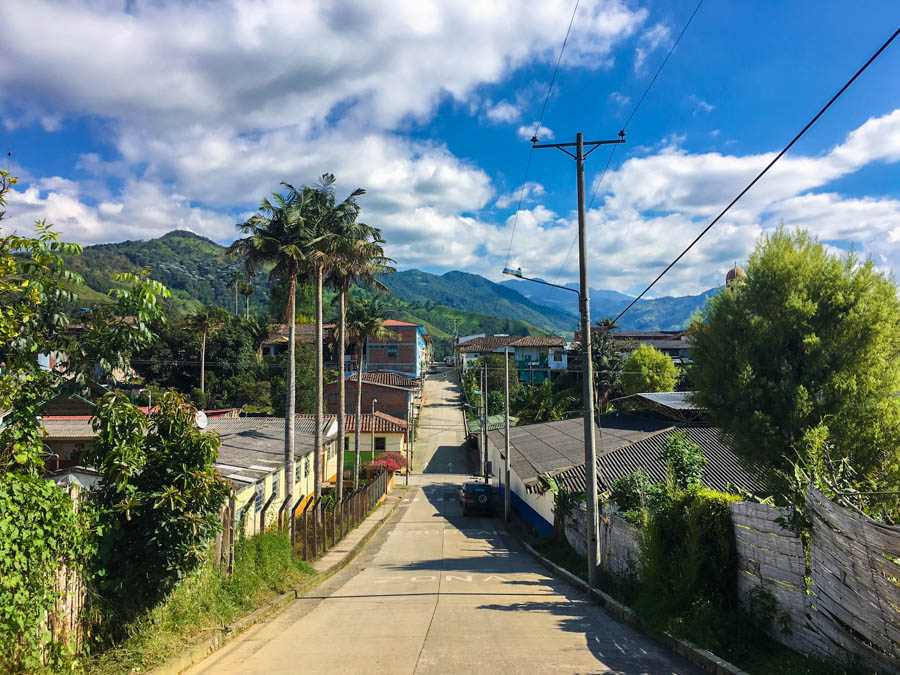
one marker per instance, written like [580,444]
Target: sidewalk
[338,556]
[327,566]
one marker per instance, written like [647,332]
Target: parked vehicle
[476,498]
[448,361]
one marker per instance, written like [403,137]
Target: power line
[537,128]
[764,171]
[624,127]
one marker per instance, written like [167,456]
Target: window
[346,443]
[332,399]
[306,467]
[380,443]
[297,470]
[260,490]
[392,351]
[275,486]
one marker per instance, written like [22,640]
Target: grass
[731,635]
[264,567]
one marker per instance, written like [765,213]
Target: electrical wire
[623,127]
[764,171]
[537,128]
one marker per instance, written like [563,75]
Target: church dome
[735,276]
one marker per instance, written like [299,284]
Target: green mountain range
[197,272]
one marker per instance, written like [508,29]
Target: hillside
[667,313]
[474,293]
[194,268]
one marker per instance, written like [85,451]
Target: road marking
[425,578]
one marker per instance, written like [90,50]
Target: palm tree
[278,235]
[234,280]
[358,257]
[204,321]
[247,289]
[365,319]
[324,218]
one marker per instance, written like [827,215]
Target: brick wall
[390,400]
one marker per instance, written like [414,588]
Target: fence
[316,529]
[844,604]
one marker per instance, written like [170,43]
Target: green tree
[247,289]
[365,320]
[808,347]
[356,255]
[648,370]
[204,321]
[235,277]
[277,238]
[606,362]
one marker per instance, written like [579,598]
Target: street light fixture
[517,273]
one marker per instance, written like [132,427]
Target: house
[676,344]
[537,358]
[394,392]
[386,432]
[408,352]
[251,458]
[278,339]
[624,442]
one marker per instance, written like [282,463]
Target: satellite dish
[201,420]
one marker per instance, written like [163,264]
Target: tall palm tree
[365,319]
[325,218]
[358,257]
[247,289]
[204,321]
[278,235]
[234,280]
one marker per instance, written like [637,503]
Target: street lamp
[517,273]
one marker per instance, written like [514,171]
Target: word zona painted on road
[431,577]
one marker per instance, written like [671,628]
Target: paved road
[436,592]
[441,433]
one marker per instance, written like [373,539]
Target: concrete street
[436,592]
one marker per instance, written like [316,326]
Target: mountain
[194,268]
[667,313]
[474,293]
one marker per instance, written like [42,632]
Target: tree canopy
[648,369]
[802,361]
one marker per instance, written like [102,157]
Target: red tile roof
[395,322]
[391,379]
[534,341]
[489,344]
[384,423]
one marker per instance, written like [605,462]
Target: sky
[126,120]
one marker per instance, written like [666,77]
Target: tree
[365,320]
[247,289]
[607,363]
[808,348]
[278,236]
[234,280]
[204,321]
[648,370]
[539,403]
[357,255]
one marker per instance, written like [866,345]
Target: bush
[688,555]
[388,461]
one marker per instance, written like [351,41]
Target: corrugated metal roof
[677,400]
[555,446]
[722,466]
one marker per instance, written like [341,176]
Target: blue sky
[127,120]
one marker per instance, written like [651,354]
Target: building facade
[537,359]
[393,393]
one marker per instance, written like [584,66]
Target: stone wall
[619,541]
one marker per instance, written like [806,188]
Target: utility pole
[506,436]
[484,421]
[409,436]
[590,449]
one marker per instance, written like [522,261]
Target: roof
[395,322]
[658,344]
[381,378]
[551,447]
[493,422]
[384,424]
[79,427]
[722,470]
[247,456]
[304,332]
[675,405]
[489,344]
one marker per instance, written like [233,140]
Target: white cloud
[543,133]
[504,111]
[653,38]
[619,100]
[527,193]
[699,105]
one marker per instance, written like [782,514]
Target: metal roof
[556,446]
[677,400]
[723,469]
[675,405]
[493,422]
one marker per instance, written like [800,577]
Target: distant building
[674,343]
[395,393]
[536,358]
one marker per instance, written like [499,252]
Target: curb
[696,655]
[223,636]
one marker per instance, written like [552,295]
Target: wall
[618,542]
[535,508]
[391,400]
[394,442]
[410,348]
